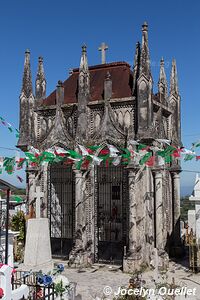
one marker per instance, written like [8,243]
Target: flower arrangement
[60,282]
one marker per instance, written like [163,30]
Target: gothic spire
[27,88]
[174,79]
[162,83]
[40,83]
[145,57]
[83,98]
[136,67]
[84,76]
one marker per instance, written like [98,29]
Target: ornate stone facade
[108,104]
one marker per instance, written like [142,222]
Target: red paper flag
[151,161]
[104,152]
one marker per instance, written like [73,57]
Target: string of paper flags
[9,126]
[83,157]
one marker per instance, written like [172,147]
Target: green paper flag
[30,157]
[169,150]
[168,159]
[74,154]
[145,158]
[78,164]
[94,148]
[141,147]
[188,157]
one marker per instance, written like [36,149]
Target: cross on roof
[103,49]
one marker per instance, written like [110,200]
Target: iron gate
[112,216]
[61,208]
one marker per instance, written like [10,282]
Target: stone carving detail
[97,121]
[55,214]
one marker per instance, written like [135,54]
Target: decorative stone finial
[174,79]
[84,48]
[108,76]
[145,57]
[40,59]
[145,26]
[60,83]
[27,78]
[162,83]
[40,83]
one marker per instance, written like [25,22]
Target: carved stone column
[45,190]
[176,207]
[79,213]
[79,255]
[159,210]
[132,213]
[132,261]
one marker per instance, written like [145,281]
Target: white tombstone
[197,212]
[196,192]
[192,221]
[182,228]
[194,215]
[37,254]
[5,283]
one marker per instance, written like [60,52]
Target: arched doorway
[111,213]
[61,208]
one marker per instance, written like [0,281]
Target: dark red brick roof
[121,76]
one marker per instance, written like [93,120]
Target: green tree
[186,205]
[17,223]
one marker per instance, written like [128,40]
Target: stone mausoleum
[118,214]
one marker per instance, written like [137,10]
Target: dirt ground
[94,283]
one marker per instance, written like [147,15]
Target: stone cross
[103,49]
[38,196]
[5,284]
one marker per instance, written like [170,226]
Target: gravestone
[37,254]
[182,228]
[197,212]
[194,215]
[191,221]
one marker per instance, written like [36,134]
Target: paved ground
[92,281]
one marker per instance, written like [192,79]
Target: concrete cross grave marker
[38,196]
[5,283]
[103,49]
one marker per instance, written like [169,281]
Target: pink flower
[1,293]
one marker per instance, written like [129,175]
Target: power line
[9,149]
[191,134]
[191,171]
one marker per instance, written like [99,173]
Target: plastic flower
[47,280]
[60,268]
[1,293]
[40,279]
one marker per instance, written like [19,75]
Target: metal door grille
[61,208]
[112,221]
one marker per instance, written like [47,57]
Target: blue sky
[57,29]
